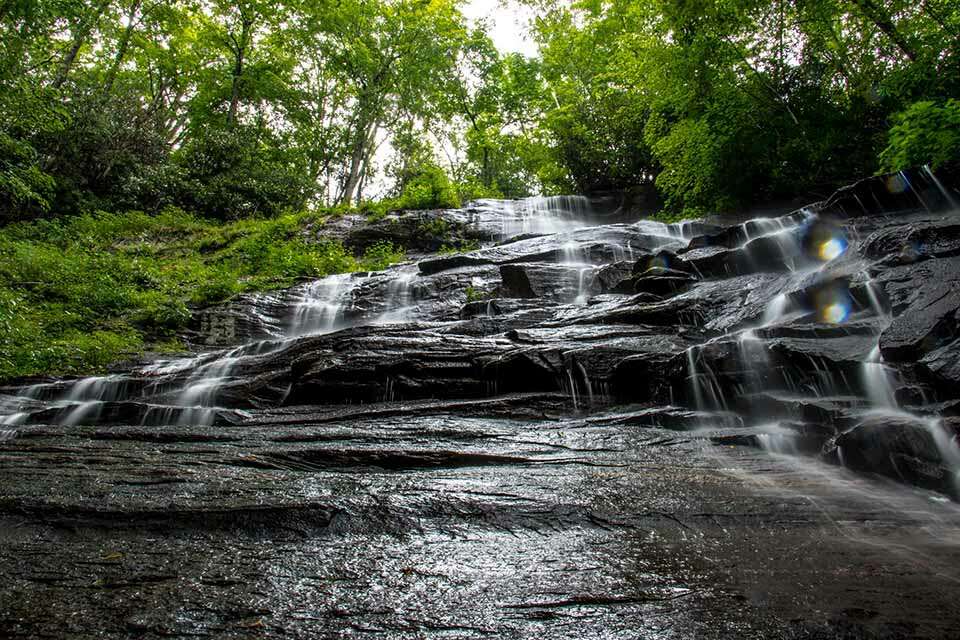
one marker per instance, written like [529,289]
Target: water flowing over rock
[592,426]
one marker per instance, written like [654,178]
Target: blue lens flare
[659,262]
[897,183]
[835,312]
[832,248]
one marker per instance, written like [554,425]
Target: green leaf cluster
[928,133]
[79,293]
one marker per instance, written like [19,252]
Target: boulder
[554,282]
[902,447]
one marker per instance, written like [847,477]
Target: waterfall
[584,281]
[740,308]
[312,309]
[320,306]
[538,215]
[909,186]
[703,382]
[753,349]
[399,299]
[877,381]
[944,193]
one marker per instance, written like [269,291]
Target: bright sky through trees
[509,24]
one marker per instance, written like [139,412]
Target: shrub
[380,256]
[477,295]
[235,172]
[430,188]
[126,281]
[926,133]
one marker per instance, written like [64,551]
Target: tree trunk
[238,67]
[486,173]
[885,24]
[360,147]
[124,45]
[80,35]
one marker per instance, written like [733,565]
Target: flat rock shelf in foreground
[590,428]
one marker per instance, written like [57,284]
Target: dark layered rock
[616,277]
[937,237]
[892,193]
[925,299]
[904,448]
[783,437]
[552,282]
[738,235]
[663,281]
[612,394]
[415,231]
[596,246]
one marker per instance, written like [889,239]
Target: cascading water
[400,301]
[311,309]
[944,192]
[569,423]
[538,215]
[725,368]
[320,309]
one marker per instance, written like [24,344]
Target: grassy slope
[77,294]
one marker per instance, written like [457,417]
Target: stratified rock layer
[591,427]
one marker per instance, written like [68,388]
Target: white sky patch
[509,24]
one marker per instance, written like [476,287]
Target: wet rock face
[569,429]
[927,298]
[708,317]
[418,232]
[903,448]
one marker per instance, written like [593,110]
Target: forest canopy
[232,109]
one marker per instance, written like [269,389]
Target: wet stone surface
[592,427]
[427,525]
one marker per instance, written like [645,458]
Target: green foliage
[24,187]
[79,293]
[380,256]
[229,109]
[236,172]
[464,246]
[473,189]
[728,103]
[926,133]
[476,295]
[430,188]
[438,227]
[374,210]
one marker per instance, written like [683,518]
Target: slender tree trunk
[486,177]
[238,67]
[360,149]
[885,24]
[486,172]
[80,35]
[68,61]
[353,176]
[124,45]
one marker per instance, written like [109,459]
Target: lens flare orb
[897,183]
[659,262]
[836,312]
[832,248]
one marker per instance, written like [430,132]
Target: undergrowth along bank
[82,292]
